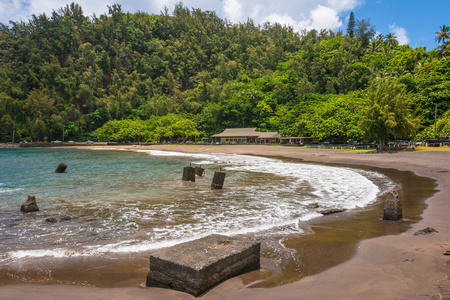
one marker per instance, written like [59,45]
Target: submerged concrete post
[199,171]
[61,168]
[392,207]
[218,180]
[189,174]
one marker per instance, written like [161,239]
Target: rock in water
[312,205]
[30,205]
[330,211]
[196,266]
[392,207]
[61,168]
[60,219]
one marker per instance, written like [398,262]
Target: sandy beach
[404,266]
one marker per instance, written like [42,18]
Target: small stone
[331,211]
[54,220]
[312,205]
[30,205]
[425,231]
[65,218]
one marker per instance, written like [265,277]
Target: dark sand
[402,266]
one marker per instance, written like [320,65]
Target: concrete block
[196,266]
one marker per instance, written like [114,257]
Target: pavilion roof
[238,132]
[269,135]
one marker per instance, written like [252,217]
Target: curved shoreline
[402,266]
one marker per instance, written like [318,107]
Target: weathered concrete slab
[196,266]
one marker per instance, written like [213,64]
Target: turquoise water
[132,201]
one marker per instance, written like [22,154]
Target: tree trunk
[382,144]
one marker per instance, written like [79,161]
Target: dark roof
[238,132]
[269,135]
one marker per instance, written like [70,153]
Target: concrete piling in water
[199,171]
[61,168]
[218,180]
[189,174]
[392,206]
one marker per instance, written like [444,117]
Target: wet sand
[401,266]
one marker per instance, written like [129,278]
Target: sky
[414,22]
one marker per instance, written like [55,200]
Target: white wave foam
[335,186]
[6,190]
[270,207]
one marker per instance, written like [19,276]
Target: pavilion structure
[246,136]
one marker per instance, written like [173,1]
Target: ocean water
[133,201]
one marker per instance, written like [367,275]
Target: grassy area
[444,148]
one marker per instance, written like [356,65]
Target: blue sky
[414,22]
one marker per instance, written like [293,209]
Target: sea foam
[267,196]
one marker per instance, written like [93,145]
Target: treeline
[191,73]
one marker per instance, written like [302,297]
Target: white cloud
[232,10]
[281,19]
[400,33]
[344,5]
[299,14]
[324,18]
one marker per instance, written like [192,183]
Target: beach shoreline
[402,266]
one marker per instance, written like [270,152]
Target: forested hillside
[124,76]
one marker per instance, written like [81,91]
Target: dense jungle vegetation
[142,77]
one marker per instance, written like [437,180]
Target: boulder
[392,206]
[30,205]
[196,266]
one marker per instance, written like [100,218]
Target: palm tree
[391,40]
[444,49]
[443,35]
[375,46]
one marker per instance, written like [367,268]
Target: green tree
[391,40]
[351,25]
[388,114]
[443,35]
